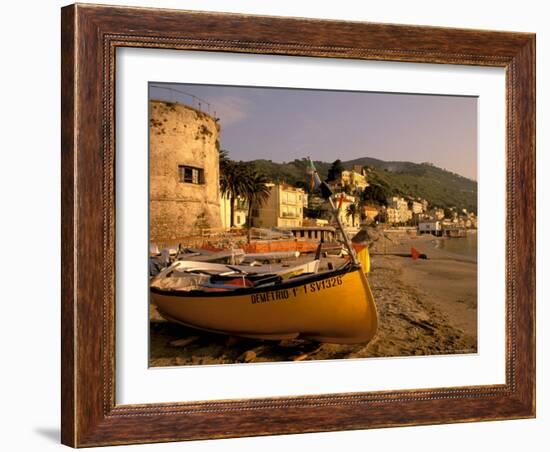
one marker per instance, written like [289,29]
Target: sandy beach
[425,307]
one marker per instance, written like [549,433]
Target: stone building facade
[184,193]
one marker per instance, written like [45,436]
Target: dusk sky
[284,124]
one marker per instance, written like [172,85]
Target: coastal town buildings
[424,205]
[185,198]
[430,227]
[283,208]
[370,213]
[416,207]
[437,213]
[352,180]
[183,171]
[345,201]
[240,212]
[467,219]
[356,178]
[390,215]
[315,222]
[313,233]
[397,210]
[397,203]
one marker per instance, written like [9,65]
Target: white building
[430,227]
[240,212]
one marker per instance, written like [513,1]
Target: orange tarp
[280,245]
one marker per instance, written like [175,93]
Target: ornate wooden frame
[90,35]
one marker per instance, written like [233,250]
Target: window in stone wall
[191,175]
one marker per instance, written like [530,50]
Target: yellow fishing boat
[335,306]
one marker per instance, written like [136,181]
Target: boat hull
[336,308]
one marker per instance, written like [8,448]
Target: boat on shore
[334,306]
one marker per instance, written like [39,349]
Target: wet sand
[425,307]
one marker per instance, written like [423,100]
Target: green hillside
[439,187]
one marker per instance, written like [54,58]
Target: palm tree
[225,173]
[232,181]
[223,156]
[352,210]
[256,193]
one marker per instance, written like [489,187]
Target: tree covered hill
[439,187]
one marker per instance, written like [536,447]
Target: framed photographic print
[278,225]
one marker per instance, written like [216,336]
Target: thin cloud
[230,109]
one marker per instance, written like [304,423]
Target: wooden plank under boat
[335,306]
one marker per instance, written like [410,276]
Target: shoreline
[420,314]
[426,243]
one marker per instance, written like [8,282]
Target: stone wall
[180,135]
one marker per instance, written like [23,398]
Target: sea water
[465,246]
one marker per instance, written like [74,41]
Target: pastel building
[356,179]
[283,208]
[398,210]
